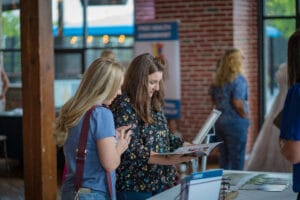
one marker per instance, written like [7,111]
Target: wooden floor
[12,183]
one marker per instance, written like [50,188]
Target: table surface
[18,112]
[287,194]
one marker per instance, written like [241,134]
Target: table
[11,126]
[287,194]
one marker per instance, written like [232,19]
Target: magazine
[196,150]
[267,182]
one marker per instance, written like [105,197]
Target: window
[84,36]
[80,32]
[10,43]
[279,19]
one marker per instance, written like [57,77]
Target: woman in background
[265,155]
[230,94]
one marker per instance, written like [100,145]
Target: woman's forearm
[239,107]
[290,150]
[242,112]
[168,160]
[159,159]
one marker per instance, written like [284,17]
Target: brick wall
[245,37]
[207,29]
[144,10]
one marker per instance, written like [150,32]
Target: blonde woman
[107,53]
[230,94]
[99,86]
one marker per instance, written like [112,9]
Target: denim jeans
[125,195]
[232,150]
[93,195]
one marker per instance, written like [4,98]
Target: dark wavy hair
[294,58]
[136,85]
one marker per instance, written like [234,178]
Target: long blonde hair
[230,66]
[100,83]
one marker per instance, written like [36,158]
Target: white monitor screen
[204,130]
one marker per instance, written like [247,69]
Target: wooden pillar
[40,171]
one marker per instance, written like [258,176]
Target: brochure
[197,150]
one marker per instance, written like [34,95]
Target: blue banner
[161,40]
[156,31]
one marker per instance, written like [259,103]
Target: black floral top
[134,173]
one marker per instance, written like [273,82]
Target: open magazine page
[198,150]
[265,181]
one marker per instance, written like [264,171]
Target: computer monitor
[209,123]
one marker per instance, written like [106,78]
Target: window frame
[261,55]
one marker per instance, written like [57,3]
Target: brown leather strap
[81,149]
[109,183]
[81,154]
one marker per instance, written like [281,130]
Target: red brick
[207,29]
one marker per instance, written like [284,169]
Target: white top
[266,155]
